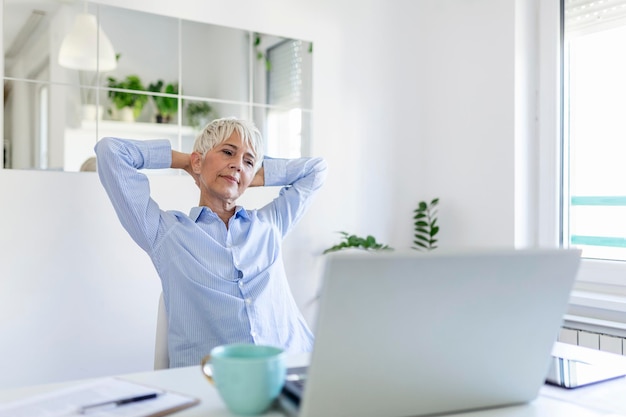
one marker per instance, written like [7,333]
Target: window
[287,78]
[594,128]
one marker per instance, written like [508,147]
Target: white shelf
[157,129]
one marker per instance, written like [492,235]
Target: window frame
[600,289]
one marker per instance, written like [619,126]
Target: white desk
[607,398]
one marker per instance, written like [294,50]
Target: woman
[220,266]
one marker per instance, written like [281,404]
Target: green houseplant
[261,55]
[166,106]
[426,227]
[125,99]
[199,113]
[354,241]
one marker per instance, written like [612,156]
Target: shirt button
[240,284]
[253,333]
[248,301]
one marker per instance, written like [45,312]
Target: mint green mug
[248,377]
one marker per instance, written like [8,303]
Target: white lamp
[78,50]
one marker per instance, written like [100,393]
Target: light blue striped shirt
[220,285]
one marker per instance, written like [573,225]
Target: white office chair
[161,352]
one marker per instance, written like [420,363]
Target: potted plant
[130,104]
[425,226]
[260,54]
[166,106]
[357,242]
[199,113]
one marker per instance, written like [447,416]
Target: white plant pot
[126,114]
[92,112]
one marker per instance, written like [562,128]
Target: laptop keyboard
[294,384]
[298,383]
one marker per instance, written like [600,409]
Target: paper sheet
[68,401]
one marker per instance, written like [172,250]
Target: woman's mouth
[231,179]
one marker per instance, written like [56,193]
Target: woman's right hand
[181,160]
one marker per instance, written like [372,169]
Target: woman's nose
[236,164]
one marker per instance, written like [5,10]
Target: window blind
[285,74]
[594,15]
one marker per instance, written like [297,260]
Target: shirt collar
[197,211]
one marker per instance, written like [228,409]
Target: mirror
[141,76]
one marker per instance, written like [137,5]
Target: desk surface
[607,398]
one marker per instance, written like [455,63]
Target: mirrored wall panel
[75,72]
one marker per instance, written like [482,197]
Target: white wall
[462,78]
[412,99]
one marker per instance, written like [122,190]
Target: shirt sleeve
[119,162]
[300,178]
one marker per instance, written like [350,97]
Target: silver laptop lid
[406,333]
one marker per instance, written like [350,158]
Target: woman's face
[225,171]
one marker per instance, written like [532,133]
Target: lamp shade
[86,47]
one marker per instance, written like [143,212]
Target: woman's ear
[196,162]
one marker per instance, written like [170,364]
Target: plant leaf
[354,241]
[425,225]
[422,238]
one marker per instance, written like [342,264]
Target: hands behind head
[184,161]
[196,177]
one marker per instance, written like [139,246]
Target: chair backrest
[161,352]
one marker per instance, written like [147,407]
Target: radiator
[594,340]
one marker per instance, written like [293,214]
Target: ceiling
[23,19]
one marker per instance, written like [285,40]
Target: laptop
[412,334]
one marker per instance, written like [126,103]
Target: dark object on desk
[116,403]
[291,394]
[570,373]
[294,384]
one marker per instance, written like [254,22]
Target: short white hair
[220,130]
